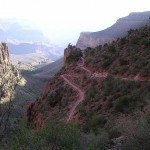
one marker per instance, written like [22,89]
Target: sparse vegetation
[107,99]
[129,55]
[146,71]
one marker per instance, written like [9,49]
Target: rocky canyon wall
[119,29]
[9,74]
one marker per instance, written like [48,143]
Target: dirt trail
[86,69]
[82,66]
[78,101]
[80,91]
[104,74]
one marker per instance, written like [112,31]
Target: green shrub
[112,48]
[91,94]
[82,110]
[106,63]
[98,120]
[74,56]
[122,69]
[145,42]
[146,71]
[127,103]
[123,41]
[55,97]
[123,62]
[94,123]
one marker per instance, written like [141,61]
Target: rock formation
[9,75]
[68,51]
[119,29]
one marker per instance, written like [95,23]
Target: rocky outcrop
[66,54]
[119,29]
[9,75]
[68,51]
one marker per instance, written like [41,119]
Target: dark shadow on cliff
[24,94]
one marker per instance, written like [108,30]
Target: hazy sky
[63,20]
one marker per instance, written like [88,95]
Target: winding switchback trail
[78,101]
[80,92]
[86,69]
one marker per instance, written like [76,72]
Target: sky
[63,20]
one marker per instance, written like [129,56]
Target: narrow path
[78,101]
[82,66]
[81,93]
[105,74]
[86,69]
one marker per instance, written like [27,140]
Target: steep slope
[119,29]
[90,91]
[128,56]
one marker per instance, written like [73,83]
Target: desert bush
[130,31]
[55,97]
[145,42]
[122,69]
[98,120]
[107,62]
[128,102]
[112,48]
[123,41]
[123,62]
[94,123]
[74,56]
[91,94]
[146,71]
[82,110]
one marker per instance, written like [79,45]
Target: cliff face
[119,29]
[9,75]
[66,54]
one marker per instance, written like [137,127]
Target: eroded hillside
[98,100]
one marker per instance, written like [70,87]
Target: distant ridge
[23,39]
[119,29]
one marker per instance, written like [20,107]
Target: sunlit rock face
[9,74]
[119,29]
